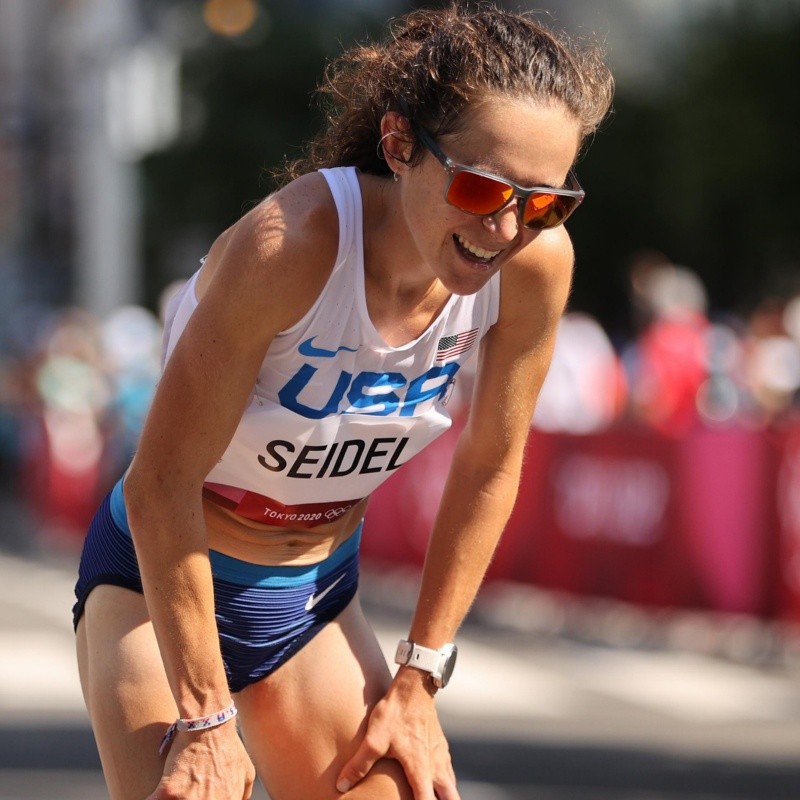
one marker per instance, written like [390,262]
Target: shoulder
[517,350]
[535,283]
[280,253]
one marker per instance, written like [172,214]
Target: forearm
[171,547]
[474,509]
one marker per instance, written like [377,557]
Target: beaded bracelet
[197,724]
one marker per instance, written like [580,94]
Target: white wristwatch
[439,663]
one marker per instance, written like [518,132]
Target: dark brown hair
[439,62]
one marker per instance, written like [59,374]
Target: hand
[404,726]
[207,765]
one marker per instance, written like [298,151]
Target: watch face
[449,665]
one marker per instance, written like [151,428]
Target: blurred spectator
[132,345]
[73,394]
[18,392]
[723,396]
[669,361]
[773,357]
[791,318]
[584,389]
[62,458]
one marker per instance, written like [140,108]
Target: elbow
[496,484]
[500,469]
[140,498]
[151,497]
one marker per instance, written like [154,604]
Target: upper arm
[516,353]
[261,276]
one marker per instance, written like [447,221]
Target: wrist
[437,663]
[197,724]
[195,702]
[410,682]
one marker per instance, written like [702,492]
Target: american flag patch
[450,346]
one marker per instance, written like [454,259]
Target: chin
[465,285]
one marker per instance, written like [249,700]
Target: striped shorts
[264,614]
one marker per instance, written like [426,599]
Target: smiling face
[524,141]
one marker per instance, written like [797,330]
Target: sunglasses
[483,194]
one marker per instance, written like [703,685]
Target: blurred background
[637,634]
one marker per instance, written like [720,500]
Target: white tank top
[335,410]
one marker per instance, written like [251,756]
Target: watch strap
[414,655]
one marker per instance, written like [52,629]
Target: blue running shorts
[264,614]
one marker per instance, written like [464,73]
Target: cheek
[423,212]
[428,203]
[426,186]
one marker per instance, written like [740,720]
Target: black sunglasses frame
[522,193]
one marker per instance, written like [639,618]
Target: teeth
[474,249]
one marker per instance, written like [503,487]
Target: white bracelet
[197,724]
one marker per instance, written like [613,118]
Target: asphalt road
[596,709]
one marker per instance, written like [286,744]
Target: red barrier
[650,519]
[726,499]
[627,514]
[604,518]
[401,512]
[786,487]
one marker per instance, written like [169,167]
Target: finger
[249,783]
[421,782]
[418,774]
[358,766]
[446,789]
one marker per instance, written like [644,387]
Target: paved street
[530,714]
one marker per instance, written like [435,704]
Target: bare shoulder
[535,284]
[280,254]
[516,352]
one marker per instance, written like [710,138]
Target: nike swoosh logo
[315,598]
[307,348]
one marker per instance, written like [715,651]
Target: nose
[505,222]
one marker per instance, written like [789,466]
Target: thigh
[125,688]
[303,722]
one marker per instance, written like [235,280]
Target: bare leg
[125,688]
[303,722]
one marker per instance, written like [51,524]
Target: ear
[397,141]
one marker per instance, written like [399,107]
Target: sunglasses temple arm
[429,142]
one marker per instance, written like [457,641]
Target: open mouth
[474,253]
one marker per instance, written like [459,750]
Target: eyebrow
[430,142]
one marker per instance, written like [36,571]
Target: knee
[385,781]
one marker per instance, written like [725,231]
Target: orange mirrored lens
[546,210]
[478,194]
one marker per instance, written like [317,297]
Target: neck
[403,295]
[391,262]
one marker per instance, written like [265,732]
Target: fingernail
[343,786]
